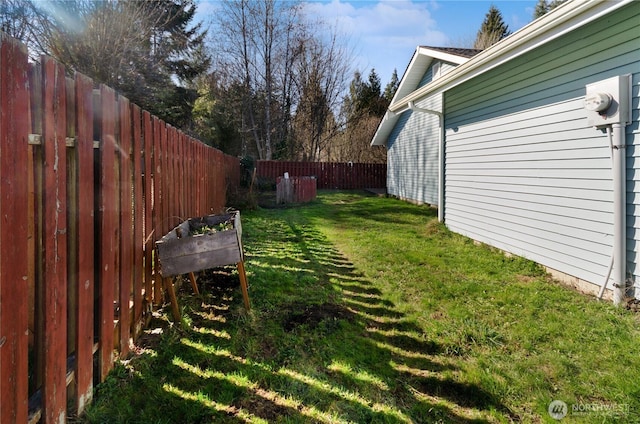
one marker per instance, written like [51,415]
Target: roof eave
[565,18]
[420,61]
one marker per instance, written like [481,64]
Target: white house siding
[412,157]
[444,67]
[524,172]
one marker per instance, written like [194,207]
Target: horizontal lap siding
[412,159]
[524,172]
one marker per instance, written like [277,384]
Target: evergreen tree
[365,98]
[350,103]
[392,87]
[545,6]
[493,29]
[148,51]
[542,7]
[372,101]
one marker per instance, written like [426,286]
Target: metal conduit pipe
[618,142]
[618,176]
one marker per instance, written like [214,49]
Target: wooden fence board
[182,153]
[14,130]
[37,121]
[108,229]
[164,181]
[149,226]
[138,213]
[329,175]
[79,225]
[85,280]
[157,199]
[54,242]
[126,223]
[172,141]
[72,225]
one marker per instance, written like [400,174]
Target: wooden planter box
[182,252]
[179,252]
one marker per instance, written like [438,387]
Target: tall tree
[269,48]
[492,30]
[364,98]
[362,110]
[15,19]
[545,6]
[139,48]
[261,43]
[320,72]
[391,88]
[542,7]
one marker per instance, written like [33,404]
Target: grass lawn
[367,310]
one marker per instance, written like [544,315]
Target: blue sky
[385,33]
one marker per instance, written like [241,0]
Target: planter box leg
[175,309]
[243,285]
[192,278]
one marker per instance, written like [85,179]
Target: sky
[385,33]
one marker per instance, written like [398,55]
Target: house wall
[524,172]
[412,156]
[436,70]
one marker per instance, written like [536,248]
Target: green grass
[367,310]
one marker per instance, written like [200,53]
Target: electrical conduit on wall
[608,106]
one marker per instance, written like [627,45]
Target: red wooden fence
[88,183]
[329,175]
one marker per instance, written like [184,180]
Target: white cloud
[386,32]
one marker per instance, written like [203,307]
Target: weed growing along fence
[329,175]
[89,182]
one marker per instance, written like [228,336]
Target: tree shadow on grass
[321,344]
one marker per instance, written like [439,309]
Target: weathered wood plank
[54,242]
[174,214]
[181,253]
[126,223]
[165,195]
[197,253]
[84,308]
[149,239]
[138,220]
[14,130]
[183,171]
[36,289]
[243,285]
[72,222]
[108,219]
[157,200]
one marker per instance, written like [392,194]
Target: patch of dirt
[633,305]
[313,315]
[263,404]
[217,280]
[151,335]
